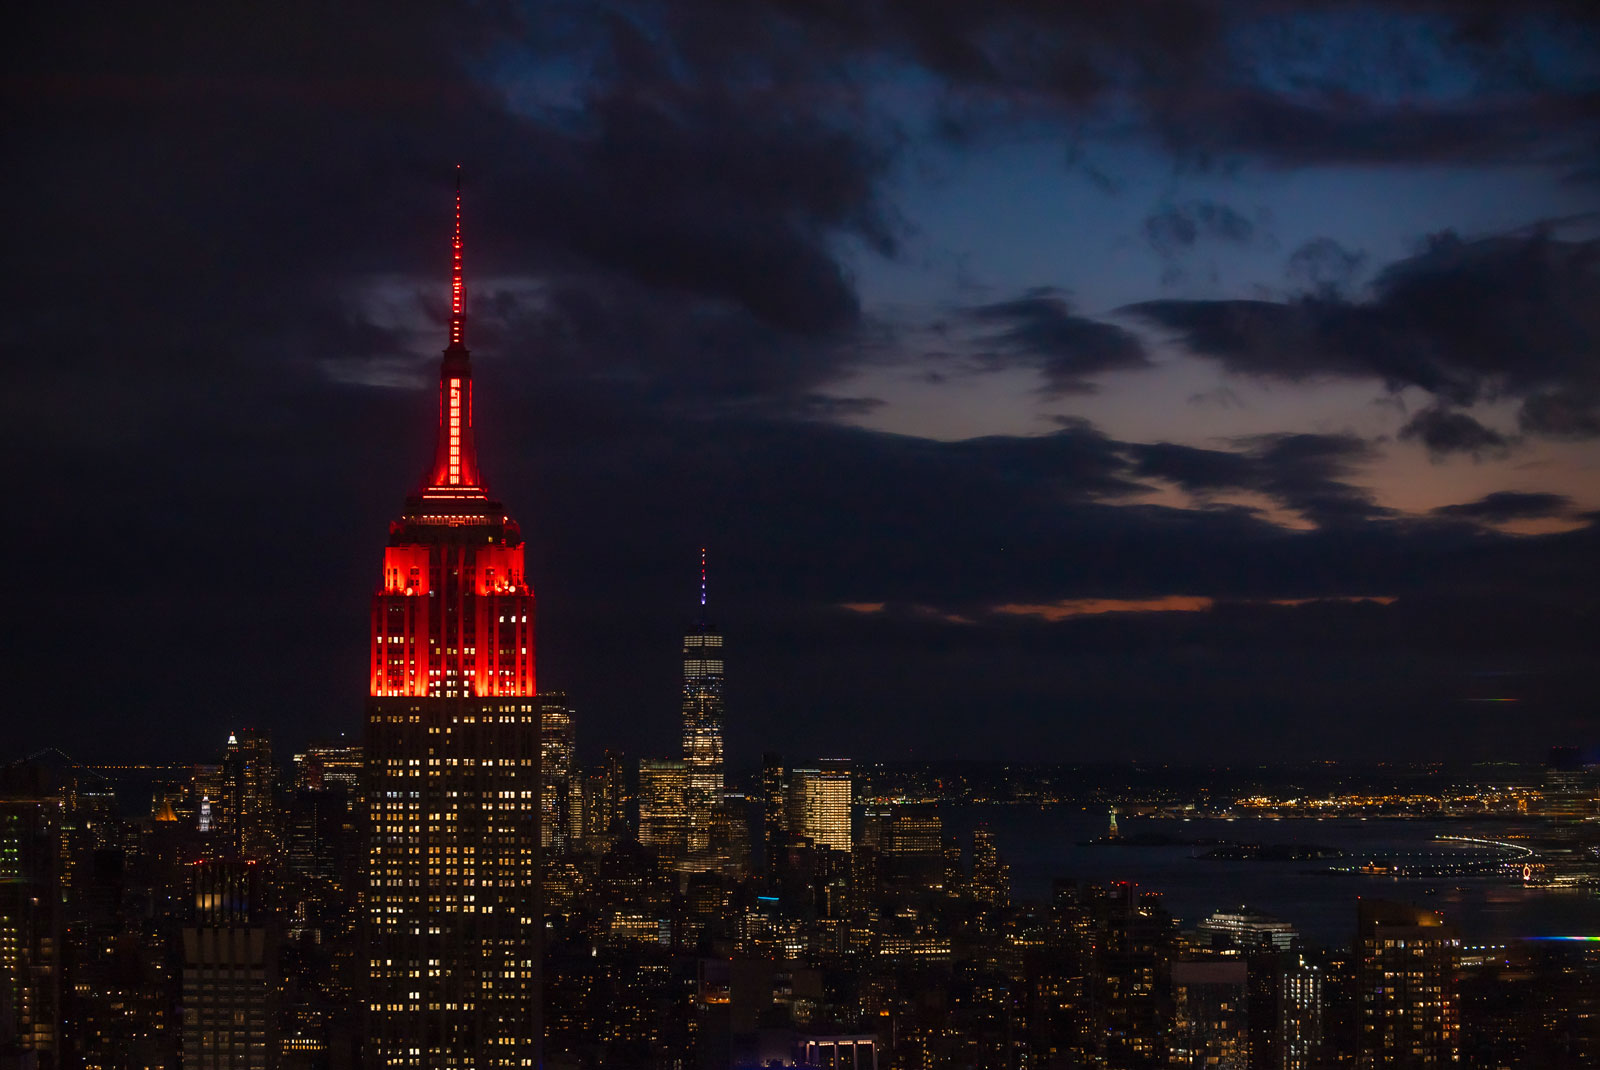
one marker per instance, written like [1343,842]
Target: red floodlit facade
[454,615]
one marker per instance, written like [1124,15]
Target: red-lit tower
[452,764]
[454,617]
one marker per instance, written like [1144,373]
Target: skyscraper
[1210,1023]
[556,802]
[1409,1013]
[604,803]
[818,806]
[452,764]
[774,789]
[246,810]
[991,877]
[663,816]
[702,723]
[229,982]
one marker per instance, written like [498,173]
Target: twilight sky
[1184,380]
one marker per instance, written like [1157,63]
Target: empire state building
[452,764]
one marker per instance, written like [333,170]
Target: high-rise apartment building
[1210,1020]
[818,806]
[702,723]
[1297,1002]
[452,753]
[1406,965]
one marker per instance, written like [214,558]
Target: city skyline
[1143,462]
[1234,400]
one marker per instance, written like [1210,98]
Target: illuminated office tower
[604,803]
[229,972]
[31,873]
[1569,788]
[774,789]
[818,806]
[1405,975]
[452,746]
[702,723]
[558,747]
[991,876]
[729,848]
[247,810]
[323,766]
[663,815]
[910,837]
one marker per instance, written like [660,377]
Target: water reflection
[1043,844]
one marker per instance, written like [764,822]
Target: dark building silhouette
[774,824]
[229,971]
[31,873]
[1406,984]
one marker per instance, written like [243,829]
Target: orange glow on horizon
[1172,603]
[1088,607]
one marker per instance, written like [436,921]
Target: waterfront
[1042,844]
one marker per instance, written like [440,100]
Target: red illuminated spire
[455,459]
[458,293]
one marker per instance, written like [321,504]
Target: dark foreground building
[452,765]
[1406,967]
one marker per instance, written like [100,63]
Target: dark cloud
[1176,227]
[1571,413]
[1303,472]
[1174,230]
[1464,320]
[1345,127]
[226,198]
[230,225]
[701,353]
[1429,82]
[705,192]
[1039,329]
[1324,266]
[1445,431]
[1510,505]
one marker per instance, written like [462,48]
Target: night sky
[1160,379]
